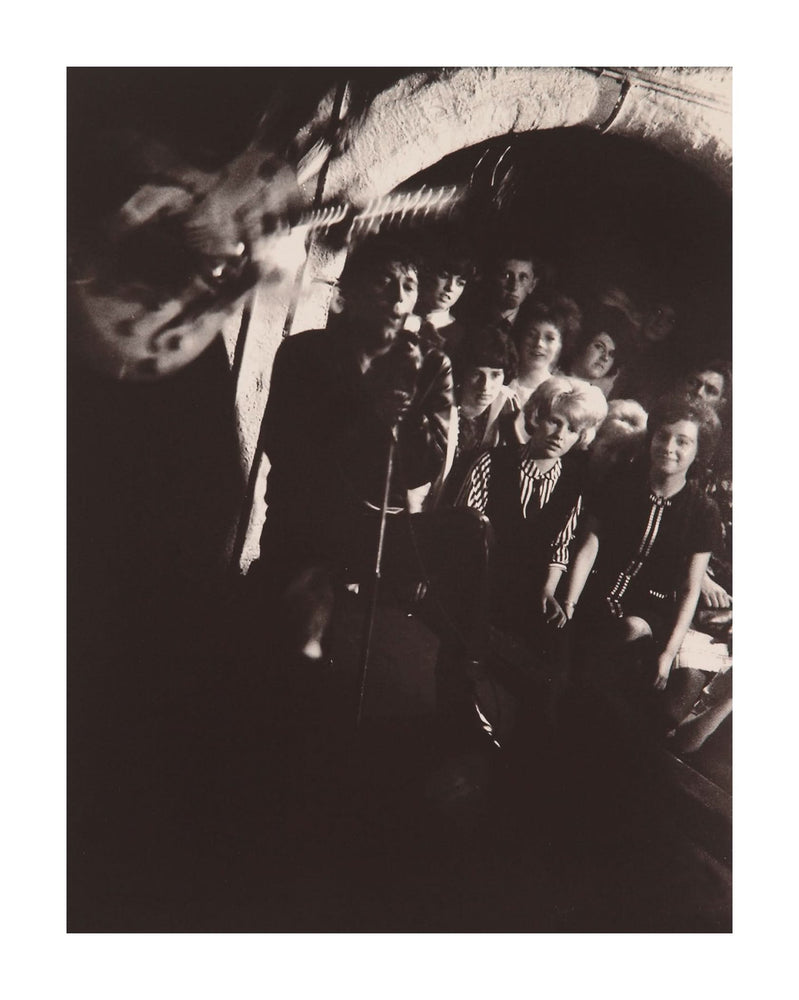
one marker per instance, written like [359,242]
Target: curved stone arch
[428,115]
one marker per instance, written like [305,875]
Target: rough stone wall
[686,112]
[428,115]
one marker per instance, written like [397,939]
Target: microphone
[393,375]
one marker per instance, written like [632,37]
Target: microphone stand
[375,585]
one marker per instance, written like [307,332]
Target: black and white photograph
[399,500]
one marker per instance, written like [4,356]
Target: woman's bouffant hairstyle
[584,405]
[613,322]
[630,416]
[559,310]
[484,347]
[721,366]
[622,433]
[675,406]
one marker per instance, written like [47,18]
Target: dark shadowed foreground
[197,805]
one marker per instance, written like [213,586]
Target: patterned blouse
[534,486]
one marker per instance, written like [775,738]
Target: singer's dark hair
[372,254]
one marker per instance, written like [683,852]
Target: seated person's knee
[635,629]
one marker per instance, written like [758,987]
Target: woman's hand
[553,612]
[713,595]
[665,661]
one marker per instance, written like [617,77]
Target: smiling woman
[649,536]
[673,449]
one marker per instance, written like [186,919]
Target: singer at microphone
[337,397]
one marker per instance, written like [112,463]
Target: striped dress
[534,515]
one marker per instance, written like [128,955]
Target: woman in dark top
[648,538]
[532,497]
[443,276]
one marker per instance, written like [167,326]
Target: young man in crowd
[710,382]
[513,277]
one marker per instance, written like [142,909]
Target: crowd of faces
[383,302]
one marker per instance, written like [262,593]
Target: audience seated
[710,381]
[648,536]
[532,497]
[709,697]
[496,452]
